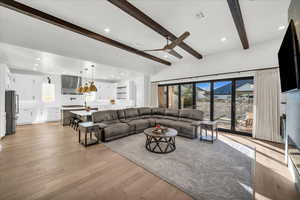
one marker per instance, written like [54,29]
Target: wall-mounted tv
[289,60]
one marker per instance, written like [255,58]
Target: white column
[2,99]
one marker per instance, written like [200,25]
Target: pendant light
[80,87]
[86,86]
[93,87]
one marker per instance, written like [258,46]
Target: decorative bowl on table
[88,109]
[159,129]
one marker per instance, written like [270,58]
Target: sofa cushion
[116,129]
[186,129]
[121,114]
[157,116]
[107,117]
[144,111]
[187,120]
[196,115]
[131,113]
[103,116]
[158,111]
[139,124]
[185,113]
[191,114]
[152,121]
[168,117]
[168,123]
[172,112]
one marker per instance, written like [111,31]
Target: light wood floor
[45,162]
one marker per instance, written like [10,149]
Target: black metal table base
[160,145]
[87,141]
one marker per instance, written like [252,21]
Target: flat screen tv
[289,60]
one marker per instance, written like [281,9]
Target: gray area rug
[222,170]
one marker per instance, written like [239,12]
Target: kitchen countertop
[83,113]
[72,108]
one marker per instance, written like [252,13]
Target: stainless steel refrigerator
[11,109]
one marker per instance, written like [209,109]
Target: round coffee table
[160,143]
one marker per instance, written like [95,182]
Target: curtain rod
[191,77]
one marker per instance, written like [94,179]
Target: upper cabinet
[27,87]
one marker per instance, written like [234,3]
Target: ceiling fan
[169,48]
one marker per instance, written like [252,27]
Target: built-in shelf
[124,90]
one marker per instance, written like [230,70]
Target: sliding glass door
[173,96]
[186,96]
[222,103]
[203,98]
[230,101]
[244,105]
[162,96]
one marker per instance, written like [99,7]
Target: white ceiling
[262,19]
[21,58]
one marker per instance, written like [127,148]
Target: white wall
[142,84]
[3,78]
[257,57]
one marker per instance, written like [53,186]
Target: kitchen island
[66,113]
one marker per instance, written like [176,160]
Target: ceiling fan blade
[178,40]
[174,53]
[155,50]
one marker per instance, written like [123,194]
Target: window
[186,96]
[203,98]
[173,97]
[162,96]
[48,93]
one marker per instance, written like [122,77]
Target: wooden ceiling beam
[237,16]
[37,14]
[146,20]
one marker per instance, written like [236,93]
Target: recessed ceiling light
[38,59]
[34,68]
[107,30]
[200,15]
[281,28]
[36,64]
[223,39]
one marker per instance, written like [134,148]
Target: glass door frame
[212,82]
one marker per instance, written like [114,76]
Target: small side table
[89,128]
[209,125]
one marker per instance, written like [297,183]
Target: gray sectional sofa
[120,123]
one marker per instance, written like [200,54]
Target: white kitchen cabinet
[25,116]
[52,114]
[27,87]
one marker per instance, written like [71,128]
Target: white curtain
[266,105]
[154,95]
